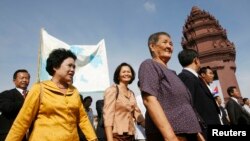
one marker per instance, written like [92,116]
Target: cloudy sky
[124,25]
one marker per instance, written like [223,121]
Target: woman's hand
[109,134]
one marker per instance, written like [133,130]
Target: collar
[51,86]
[235,99]
[192,71]
[20,90]
[210,88]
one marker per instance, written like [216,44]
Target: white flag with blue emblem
[91,74]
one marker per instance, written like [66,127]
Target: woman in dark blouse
[170,115]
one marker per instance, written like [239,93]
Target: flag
[91,74]
[216,91]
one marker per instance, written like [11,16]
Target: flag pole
[39,56]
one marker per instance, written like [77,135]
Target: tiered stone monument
[203,33]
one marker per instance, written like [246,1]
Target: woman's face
[125,74]
[66,71]
[163,48]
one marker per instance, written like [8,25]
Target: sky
[125,25]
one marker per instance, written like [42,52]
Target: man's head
[218,100]
[87,101]
[189,57]
[246,101]
[21,79]
[206,74]
[233,92]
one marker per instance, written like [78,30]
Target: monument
[203,33]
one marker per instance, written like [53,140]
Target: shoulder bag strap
[117,91]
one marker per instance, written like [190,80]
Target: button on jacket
[120,113]
[55,115]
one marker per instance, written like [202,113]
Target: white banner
[91,73]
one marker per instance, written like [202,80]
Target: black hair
[117,73]
[186,57]
[215,97]
[19,70]
[230,90]
[56,57]
[87,97]
[245,100]
[203,70]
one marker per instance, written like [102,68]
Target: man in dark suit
[12,100]
[223,112]
[235,111]
[207,75]
[203,100]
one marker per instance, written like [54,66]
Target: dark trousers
[124,137]
[2,137]
[181,137]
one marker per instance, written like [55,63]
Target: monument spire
[203,33]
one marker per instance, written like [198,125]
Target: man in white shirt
[246,105]
[140,131]
[223,112]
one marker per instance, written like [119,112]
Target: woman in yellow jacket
[54,106]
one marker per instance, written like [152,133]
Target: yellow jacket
[55,115]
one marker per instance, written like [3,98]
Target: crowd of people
[169,107]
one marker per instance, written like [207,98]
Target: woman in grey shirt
[170,115]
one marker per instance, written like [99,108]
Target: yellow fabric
[57,116]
